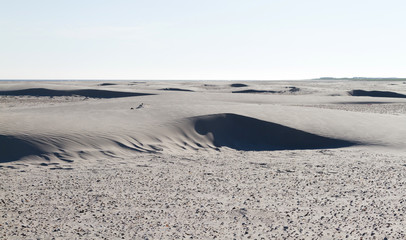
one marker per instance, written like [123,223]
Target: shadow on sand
[363,93]
[13,149]
[250,134]
[91,93]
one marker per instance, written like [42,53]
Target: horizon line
[109,79]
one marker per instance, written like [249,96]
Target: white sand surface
[150,160]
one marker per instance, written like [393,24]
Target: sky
[210,39]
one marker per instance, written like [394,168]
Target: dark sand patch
[176,89]
[13,149]
[290,90]
[293,89]
[365,103]
[251,134]
[256,91]
[107,84]
[387,94]
[238,85]
[91,93]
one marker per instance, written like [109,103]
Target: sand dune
[385,94]
[175,122]
[92,93]
[200,132]
[136,162]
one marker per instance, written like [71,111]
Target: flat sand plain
[202,160]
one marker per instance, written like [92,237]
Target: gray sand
[101,170]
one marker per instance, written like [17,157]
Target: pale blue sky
[222,39]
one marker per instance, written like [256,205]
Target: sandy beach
[320,159]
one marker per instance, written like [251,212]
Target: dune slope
[246,133]
[13,148]
[204,132]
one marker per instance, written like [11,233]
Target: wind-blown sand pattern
[128,160]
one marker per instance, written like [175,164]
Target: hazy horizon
[320,78]
[210,40]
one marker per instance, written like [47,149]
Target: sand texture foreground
[203,160]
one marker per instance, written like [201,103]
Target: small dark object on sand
[140,106]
